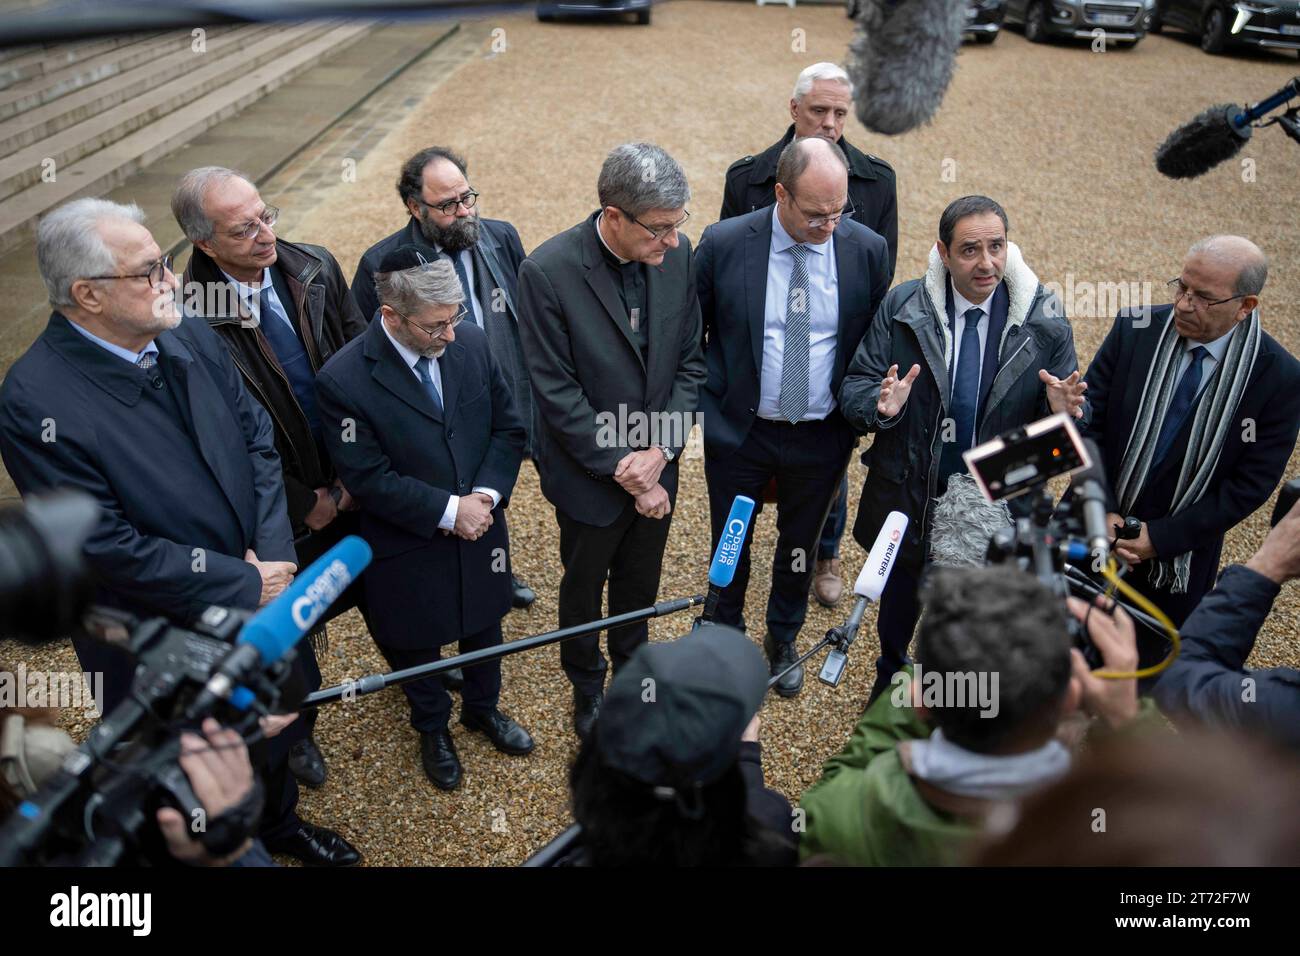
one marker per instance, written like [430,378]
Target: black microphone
[901,61]
[1090,493]
[1215,135]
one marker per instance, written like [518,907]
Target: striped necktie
[793,403]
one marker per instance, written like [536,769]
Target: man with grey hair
[123,400]
[421,424]
[786,295]
[610,326]
[1196,409]
[282,308]
[819,106]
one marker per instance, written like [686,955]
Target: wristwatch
[669,454]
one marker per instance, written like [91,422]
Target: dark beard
[459,236]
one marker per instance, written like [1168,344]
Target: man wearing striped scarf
[1196,409]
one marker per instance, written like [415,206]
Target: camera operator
[1209,683]
[216,764]
[986,716]
[672,774]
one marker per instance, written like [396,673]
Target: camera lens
[44,585]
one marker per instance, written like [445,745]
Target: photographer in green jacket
[990,713]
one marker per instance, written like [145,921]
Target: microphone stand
[377,682]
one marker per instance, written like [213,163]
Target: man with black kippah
[422,426]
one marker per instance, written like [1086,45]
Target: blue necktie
[464,284]
[292,357]
[423,368]
[966,387]
[793,403]
[1181,404]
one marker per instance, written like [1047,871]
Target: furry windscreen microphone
[962,522]
[901,60]
[1204,142]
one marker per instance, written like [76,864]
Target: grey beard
[459,236]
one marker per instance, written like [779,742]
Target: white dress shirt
[1217,349]
[250,295]
[448,520]
[824,323]
[961,305]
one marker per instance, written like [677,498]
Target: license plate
[1291,29]
[1112,19]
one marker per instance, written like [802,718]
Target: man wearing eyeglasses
[422,426]
[123,399]
[444,220]
[787,293]
[819,106]
[611,328]
[1196,410]
[282,308]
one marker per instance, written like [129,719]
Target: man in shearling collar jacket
[975,347]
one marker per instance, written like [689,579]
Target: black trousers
[808,460]
[629,554]
[900,607]
[429,700]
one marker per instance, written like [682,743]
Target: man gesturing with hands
[986,348]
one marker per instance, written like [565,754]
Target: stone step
[47,87]
[173,57]
[100,171]
[29,62]
[30,164]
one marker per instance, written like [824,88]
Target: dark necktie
[291,356]
[793,403]
[147,361]
[1181,404]
[966,387]
[424,369]
[464,285]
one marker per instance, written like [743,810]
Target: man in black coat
[123,400]
[975,347]
[821,102]
[1209,683]
[611,331]
[1196,409]
[240,277]
[786,295]
[421,425]
[436,192]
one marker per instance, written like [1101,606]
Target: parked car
[984,19]
[1222,24]
[548,10]
[1124,21]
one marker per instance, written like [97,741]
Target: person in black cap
[421,424]
[672,773]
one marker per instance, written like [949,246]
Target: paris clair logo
[322,592]
[729,546]
[75,908]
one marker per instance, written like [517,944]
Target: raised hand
[1064,394]
[894,391]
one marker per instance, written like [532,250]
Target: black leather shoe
[586,708]
[524,596]
[453,679]
[316,846]
[441,765]
[780,656]
[506,735]
[306,763]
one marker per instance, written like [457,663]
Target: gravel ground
[1060,135]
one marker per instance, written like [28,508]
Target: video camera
[232,665]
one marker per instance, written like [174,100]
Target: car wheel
[1215,35]
[643,17]
[1156,25]
[1036,23]
[985,37]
